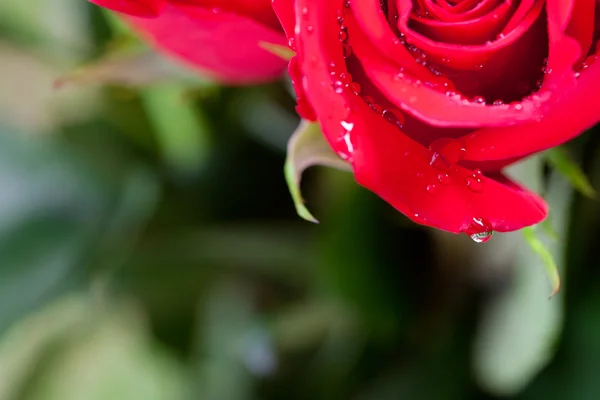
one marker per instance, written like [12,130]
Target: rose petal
[146,8]
[577,110]
[258,10]
[285,12]
[464,11]
[377,28]
[222,43]
[429,104]
[465,57]
[474,31]
[581,25]
[387,161]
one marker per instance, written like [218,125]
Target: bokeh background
[149,248]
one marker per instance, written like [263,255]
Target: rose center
[493,51]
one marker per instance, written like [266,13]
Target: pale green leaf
[280,51]
[519,327]
[548,229]
[307,147]
[538,247]
[182,130]
[84,348]
[133,69]
[560,160]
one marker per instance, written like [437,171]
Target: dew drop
[474,181]
[480,230]
[516,106]
[348,142]
[393,117]
[445,152]
[479,100]
[345,78]
[346,50]
[444,179]
[431,189]
[546,70]
[377,108]
[348,126]
[292,43]
[355,87]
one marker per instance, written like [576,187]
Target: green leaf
[548,229]
[51,213]
[538,247]
[57,216]
[234,345]
[280,51]
[133,69]
[519,327]
[24,345]
[307,147]
[560,160]
[182,129]
[85,347]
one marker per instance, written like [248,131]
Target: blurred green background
[149,248]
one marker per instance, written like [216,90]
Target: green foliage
[560,160]
[307,147]
[149,250]
[520,327]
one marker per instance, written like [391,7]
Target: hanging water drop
[480,230]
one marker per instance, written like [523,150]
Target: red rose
[429,99]
[220,37]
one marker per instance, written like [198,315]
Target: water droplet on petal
[292,43]
[355,87]
[444,179]
[479,100]
[346,50]
[431,189]
[393,117]
[516,106]
[343,36]
[345,78]
[480,230]
[445,152]
[348,126]
[377,108]
[474,181]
